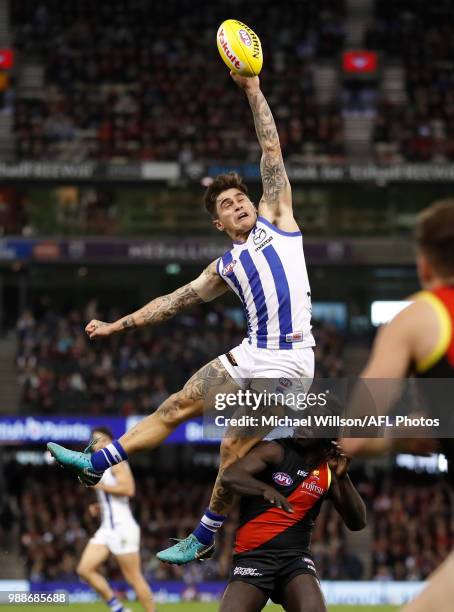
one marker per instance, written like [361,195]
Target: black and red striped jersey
[262,525]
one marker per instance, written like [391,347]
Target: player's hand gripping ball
[240,48]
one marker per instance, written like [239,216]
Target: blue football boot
[185,551]
[77,462]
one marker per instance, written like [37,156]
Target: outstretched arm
[276,202]
[205,288]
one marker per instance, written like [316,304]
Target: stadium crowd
[61,370]
[123,81]
[413,526]
[409,516]
[421,128]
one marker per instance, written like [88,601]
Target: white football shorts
[121,540]
[290,371]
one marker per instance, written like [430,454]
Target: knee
[230,451]
[177,408]
[83,572]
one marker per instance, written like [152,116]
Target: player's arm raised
[346,499]
[276,202]
[240,476]
[204,288]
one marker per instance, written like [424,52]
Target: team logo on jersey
[302,473]
[283,479]
[259,235]
[315,473]
[229,268]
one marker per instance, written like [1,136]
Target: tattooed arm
[205,288]
[276,202]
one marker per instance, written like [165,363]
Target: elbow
[358,523]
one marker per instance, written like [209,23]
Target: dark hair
[435,236]
[104,430]
[232,180]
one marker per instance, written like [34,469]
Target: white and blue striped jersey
[115,509]
[268,273]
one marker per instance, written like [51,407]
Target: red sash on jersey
[274,521]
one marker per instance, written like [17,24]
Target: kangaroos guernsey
[265,527]
[268,273]
[115,509]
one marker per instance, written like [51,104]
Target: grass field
[180,607]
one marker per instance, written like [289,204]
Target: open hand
[277,499]
[99,329]
[249,84]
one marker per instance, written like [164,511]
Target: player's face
[101,440]
[236,213]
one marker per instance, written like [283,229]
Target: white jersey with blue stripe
[268,273]
[115,509]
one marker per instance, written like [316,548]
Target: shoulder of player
[271,452]
[415,317]
[281,222]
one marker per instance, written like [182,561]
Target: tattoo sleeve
[222,497]
[272,168]
[162,308]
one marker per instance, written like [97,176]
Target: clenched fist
[99,329]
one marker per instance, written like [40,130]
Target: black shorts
[271,570]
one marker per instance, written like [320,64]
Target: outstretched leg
[197,394]
[153,430]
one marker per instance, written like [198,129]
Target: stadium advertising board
[335,592]
[39,430]
[171,171]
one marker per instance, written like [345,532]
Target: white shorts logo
[246,571]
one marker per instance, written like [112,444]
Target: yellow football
[240,48]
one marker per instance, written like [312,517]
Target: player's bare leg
[242,597]
[439,593]
[200,544]
[303,594]
[198,393]
[232,449]
[131,570]
[92,557]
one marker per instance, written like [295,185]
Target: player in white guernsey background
[266,268]
[118,534]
